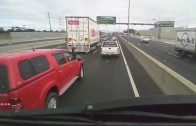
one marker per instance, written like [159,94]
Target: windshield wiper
[47,120]
[98,118]
[144,109]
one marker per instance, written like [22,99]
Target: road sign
[106,20]
[165,23]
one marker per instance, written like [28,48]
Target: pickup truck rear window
[109,44]
[32,67]
[26,69]
[4,85]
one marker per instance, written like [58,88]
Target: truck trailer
[185,43]
[82,34]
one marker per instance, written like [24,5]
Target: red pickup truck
[35,79]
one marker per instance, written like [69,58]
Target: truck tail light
[69,39]
[15,103]
[86,39]
[4,101]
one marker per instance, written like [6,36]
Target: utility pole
[49,21]
[63,24]
[128,17]
[60,28]
[119,25]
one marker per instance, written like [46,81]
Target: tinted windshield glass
[3,78]
[109,44]
[68,53]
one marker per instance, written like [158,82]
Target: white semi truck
[185,43]
[82,34]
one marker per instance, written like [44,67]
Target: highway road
[107,79]
[166,54]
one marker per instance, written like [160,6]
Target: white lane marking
[130,75]
[94,51]
[107,61]
[173,55]
[138,44]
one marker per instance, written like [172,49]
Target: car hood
[147,103]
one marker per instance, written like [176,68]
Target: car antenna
[32,48]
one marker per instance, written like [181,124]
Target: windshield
[52,53]
[109,44]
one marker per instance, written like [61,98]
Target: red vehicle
[34,79]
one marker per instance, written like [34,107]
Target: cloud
[34,12]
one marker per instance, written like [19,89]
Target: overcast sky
[33,13]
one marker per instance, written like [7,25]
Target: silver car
[145,39]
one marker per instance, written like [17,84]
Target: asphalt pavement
[166,54]
[107,79]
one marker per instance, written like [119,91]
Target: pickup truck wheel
[81,75]
[51,101]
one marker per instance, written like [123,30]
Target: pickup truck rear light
[86,39]
[15,104]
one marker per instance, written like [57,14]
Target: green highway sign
[164,23]
[106,20]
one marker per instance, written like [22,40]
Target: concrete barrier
[17,41]
[21,47]
[38,35]
[5,36]
[170,82]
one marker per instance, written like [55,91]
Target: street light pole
[128,18]
[187,21]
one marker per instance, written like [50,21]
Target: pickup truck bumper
[110,53]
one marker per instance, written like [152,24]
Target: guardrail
[170,82]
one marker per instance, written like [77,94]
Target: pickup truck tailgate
[110,49]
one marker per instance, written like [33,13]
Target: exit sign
[106,20]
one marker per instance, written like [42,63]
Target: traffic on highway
[129,68]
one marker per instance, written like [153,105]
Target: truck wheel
[182,54]
[51,101]
[81,75]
